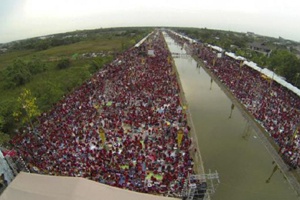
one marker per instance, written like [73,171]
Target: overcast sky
[20,19]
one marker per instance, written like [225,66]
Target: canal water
[227,142]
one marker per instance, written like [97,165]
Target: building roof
[261,46]
[28,186]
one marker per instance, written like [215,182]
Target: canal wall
[292,176]
[195,151]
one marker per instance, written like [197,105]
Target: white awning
[216,48]
[232,55]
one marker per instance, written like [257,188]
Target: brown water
[228,144]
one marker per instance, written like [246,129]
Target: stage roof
[28,186]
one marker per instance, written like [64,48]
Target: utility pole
[232,108]
[273,172]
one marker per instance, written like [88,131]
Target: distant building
[67,36]
[260,47]
[232,46]
[45,37]
[297,49]
[3,50]
[250,34]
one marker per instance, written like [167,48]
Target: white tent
[28,186]
[142,40]
[253,65]
[274,76]
[281,81]
[215,48]
[232,55]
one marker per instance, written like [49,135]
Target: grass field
[7,58]
[50,85]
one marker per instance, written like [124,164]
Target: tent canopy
[28,186]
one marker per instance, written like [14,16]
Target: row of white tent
[142,40]
[270,74]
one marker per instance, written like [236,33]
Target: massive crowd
[135,101]
[275,107]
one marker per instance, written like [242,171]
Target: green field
[50,84]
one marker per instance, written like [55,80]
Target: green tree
[27,108]
[95,65]
[63,64]
[35,66]
[42,45]
[7,107]
[17,74]
[4,138]
[297,79]
[285,63]
[47,93]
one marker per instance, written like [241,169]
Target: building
[260,47]
[3,50]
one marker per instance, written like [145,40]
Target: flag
[184,108]
[169,60]
[179,137]
[214,61]
[266,78]
[102,135]
[96,106]
[241,63]
[295,133]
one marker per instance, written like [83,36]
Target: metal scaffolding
[200,186]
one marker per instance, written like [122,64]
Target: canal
[226,140]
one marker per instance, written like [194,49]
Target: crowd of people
[275,107]
[119,128]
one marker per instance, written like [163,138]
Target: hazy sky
[20,19]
